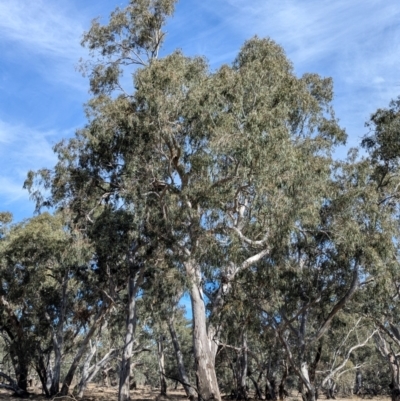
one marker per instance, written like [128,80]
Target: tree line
[215,185]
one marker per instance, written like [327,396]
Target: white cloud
[46,35]
[312,29]
[355,42]
[22,149]
[40,27]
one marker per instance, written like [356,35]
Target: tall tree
[383,146]
[40,294]
[219,166]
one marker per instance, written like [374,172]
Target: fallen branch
[13,385]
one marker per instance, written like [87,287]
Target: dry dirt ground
[95,392]
[99,393]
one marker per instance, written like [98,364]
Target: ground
[99,393]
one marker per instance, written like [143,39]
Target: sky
[356,42]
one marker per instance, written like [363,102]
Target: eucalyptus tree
[341,358]
[164,288]
[323,263]
[40,295]
[249,348]
[218,166]
[180,332]
[383,146]
[27,258]
[108,162]
[244,152]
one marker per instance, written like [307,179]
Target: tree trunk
[270,389]
[20,365]
[358,386]
[89,373]
[106,377]
[183,377]
[395,393]
[56,374]
[394,365]
[242,370]
[330,390]
[257,388]
[307,388]
[13,385]
[161,365]
[58,338]
[22,374]
[134,281]
[85,370]
[207,385]
[42,373]
[49,373]
[395,384]
[81,351]
[282,391]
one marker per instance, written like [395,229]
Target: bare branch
[341,303]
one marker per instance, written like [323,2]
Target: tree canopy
[215,185]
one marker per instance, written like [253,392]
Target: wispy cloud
[43,30]
[40,27]
[357,43]
[309,30]
[22,149]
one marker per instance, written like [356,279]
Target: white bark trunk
[161,365]
[243,367]
[81,351]
[207,385]
[134,281]
[183,377]
[85,370]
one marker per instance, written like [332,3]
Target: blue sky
[357,42]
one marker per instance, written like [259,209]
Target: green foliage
[229,172]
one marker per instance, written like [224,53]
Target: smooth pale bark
[134,281]
[306,387]
[98,320]
[382,347]
[183,377]
[308,391]
[242,370]
[58,338]
[49,373]
[358,386]
[85,368]
[205,341]
[161,365]
[207,384]
[92,371]
[328,382]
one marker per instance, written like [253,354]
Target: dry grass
[100,393]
